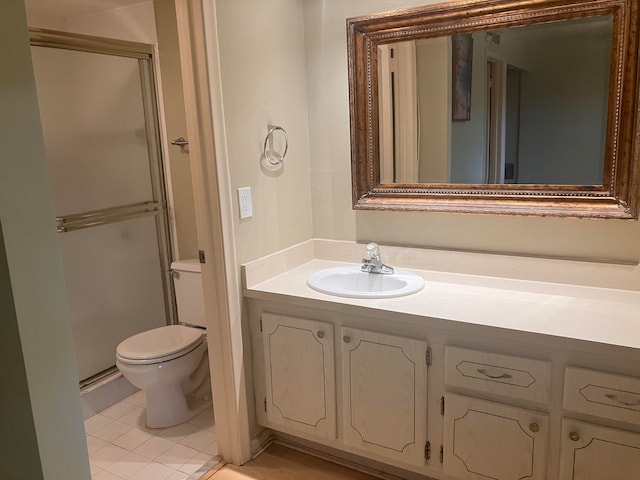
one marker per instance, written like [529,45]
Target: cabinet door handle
[627,401]
[534,427]
[494,376]
[346,339]
[574,436]
[320,334]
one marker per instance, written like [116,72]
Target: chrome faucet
[373,262]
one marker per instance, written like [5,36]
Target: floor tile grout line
[186,468]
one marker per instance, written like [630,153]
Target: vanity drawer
[496,373]
[602,394]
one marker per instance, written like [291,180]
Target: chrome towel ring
[272,157]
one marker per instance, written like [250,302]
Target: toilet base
[168,407]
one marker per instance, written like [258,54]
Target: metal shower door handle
[180,142]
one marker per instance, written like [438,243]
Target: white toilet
[171,363]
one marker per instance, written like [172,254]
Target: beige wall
[262,56]
[135,23]
[179,169]
[36,282]
[331,175]
[326,50]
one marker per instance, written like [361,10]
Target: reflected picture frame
[461,76]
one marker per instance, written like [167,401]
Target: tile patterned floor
[122,447]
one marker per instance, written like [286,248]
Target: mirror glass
[526,104]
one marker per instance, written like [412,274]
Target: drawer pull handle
[627,402]
[494,376]
[320,334]
[574,436]
[534,427]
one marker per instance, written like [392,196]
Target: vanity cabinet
[299,375]
[517,380]
[489,440]
[365,392]
[384,388]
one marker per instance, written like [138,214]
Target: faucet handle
[373,251]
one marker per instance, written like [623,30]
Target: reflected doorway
[503,84]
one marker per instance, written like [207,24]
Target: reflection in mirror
[518,105]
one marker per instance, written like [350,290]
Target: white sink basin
[352,282]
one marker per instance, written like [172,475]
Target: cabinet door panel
[384,394]
[590,452]
[490,440]
[300,374]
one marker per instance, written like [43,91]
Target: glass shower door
[100,128]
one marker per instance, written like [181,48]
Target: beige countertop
[593,314]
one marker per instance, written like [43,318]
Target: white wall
[333,217]
[264,76]
[36,278]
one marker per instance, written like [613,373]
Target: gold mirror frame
[615,198]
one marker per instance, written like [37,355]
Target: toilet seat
[159,345]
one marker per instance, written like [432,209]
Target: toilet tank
[187,281]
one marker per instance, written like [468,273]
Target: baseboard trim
[334,459]
[261,442]
[213,471]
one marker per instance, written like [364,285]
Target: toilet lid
[159,342]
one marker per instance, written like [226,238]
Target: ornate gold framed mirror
[523,107]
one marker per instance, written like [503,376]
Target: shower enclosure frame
[157,208]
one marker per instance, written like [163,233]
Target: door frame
[201,75]
[495,119]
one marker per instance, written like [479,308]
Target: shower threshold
[99,378]
[103,390]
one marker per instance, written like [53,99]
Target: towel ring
[275,160]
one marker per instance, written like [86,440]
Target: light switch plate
[244,202]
